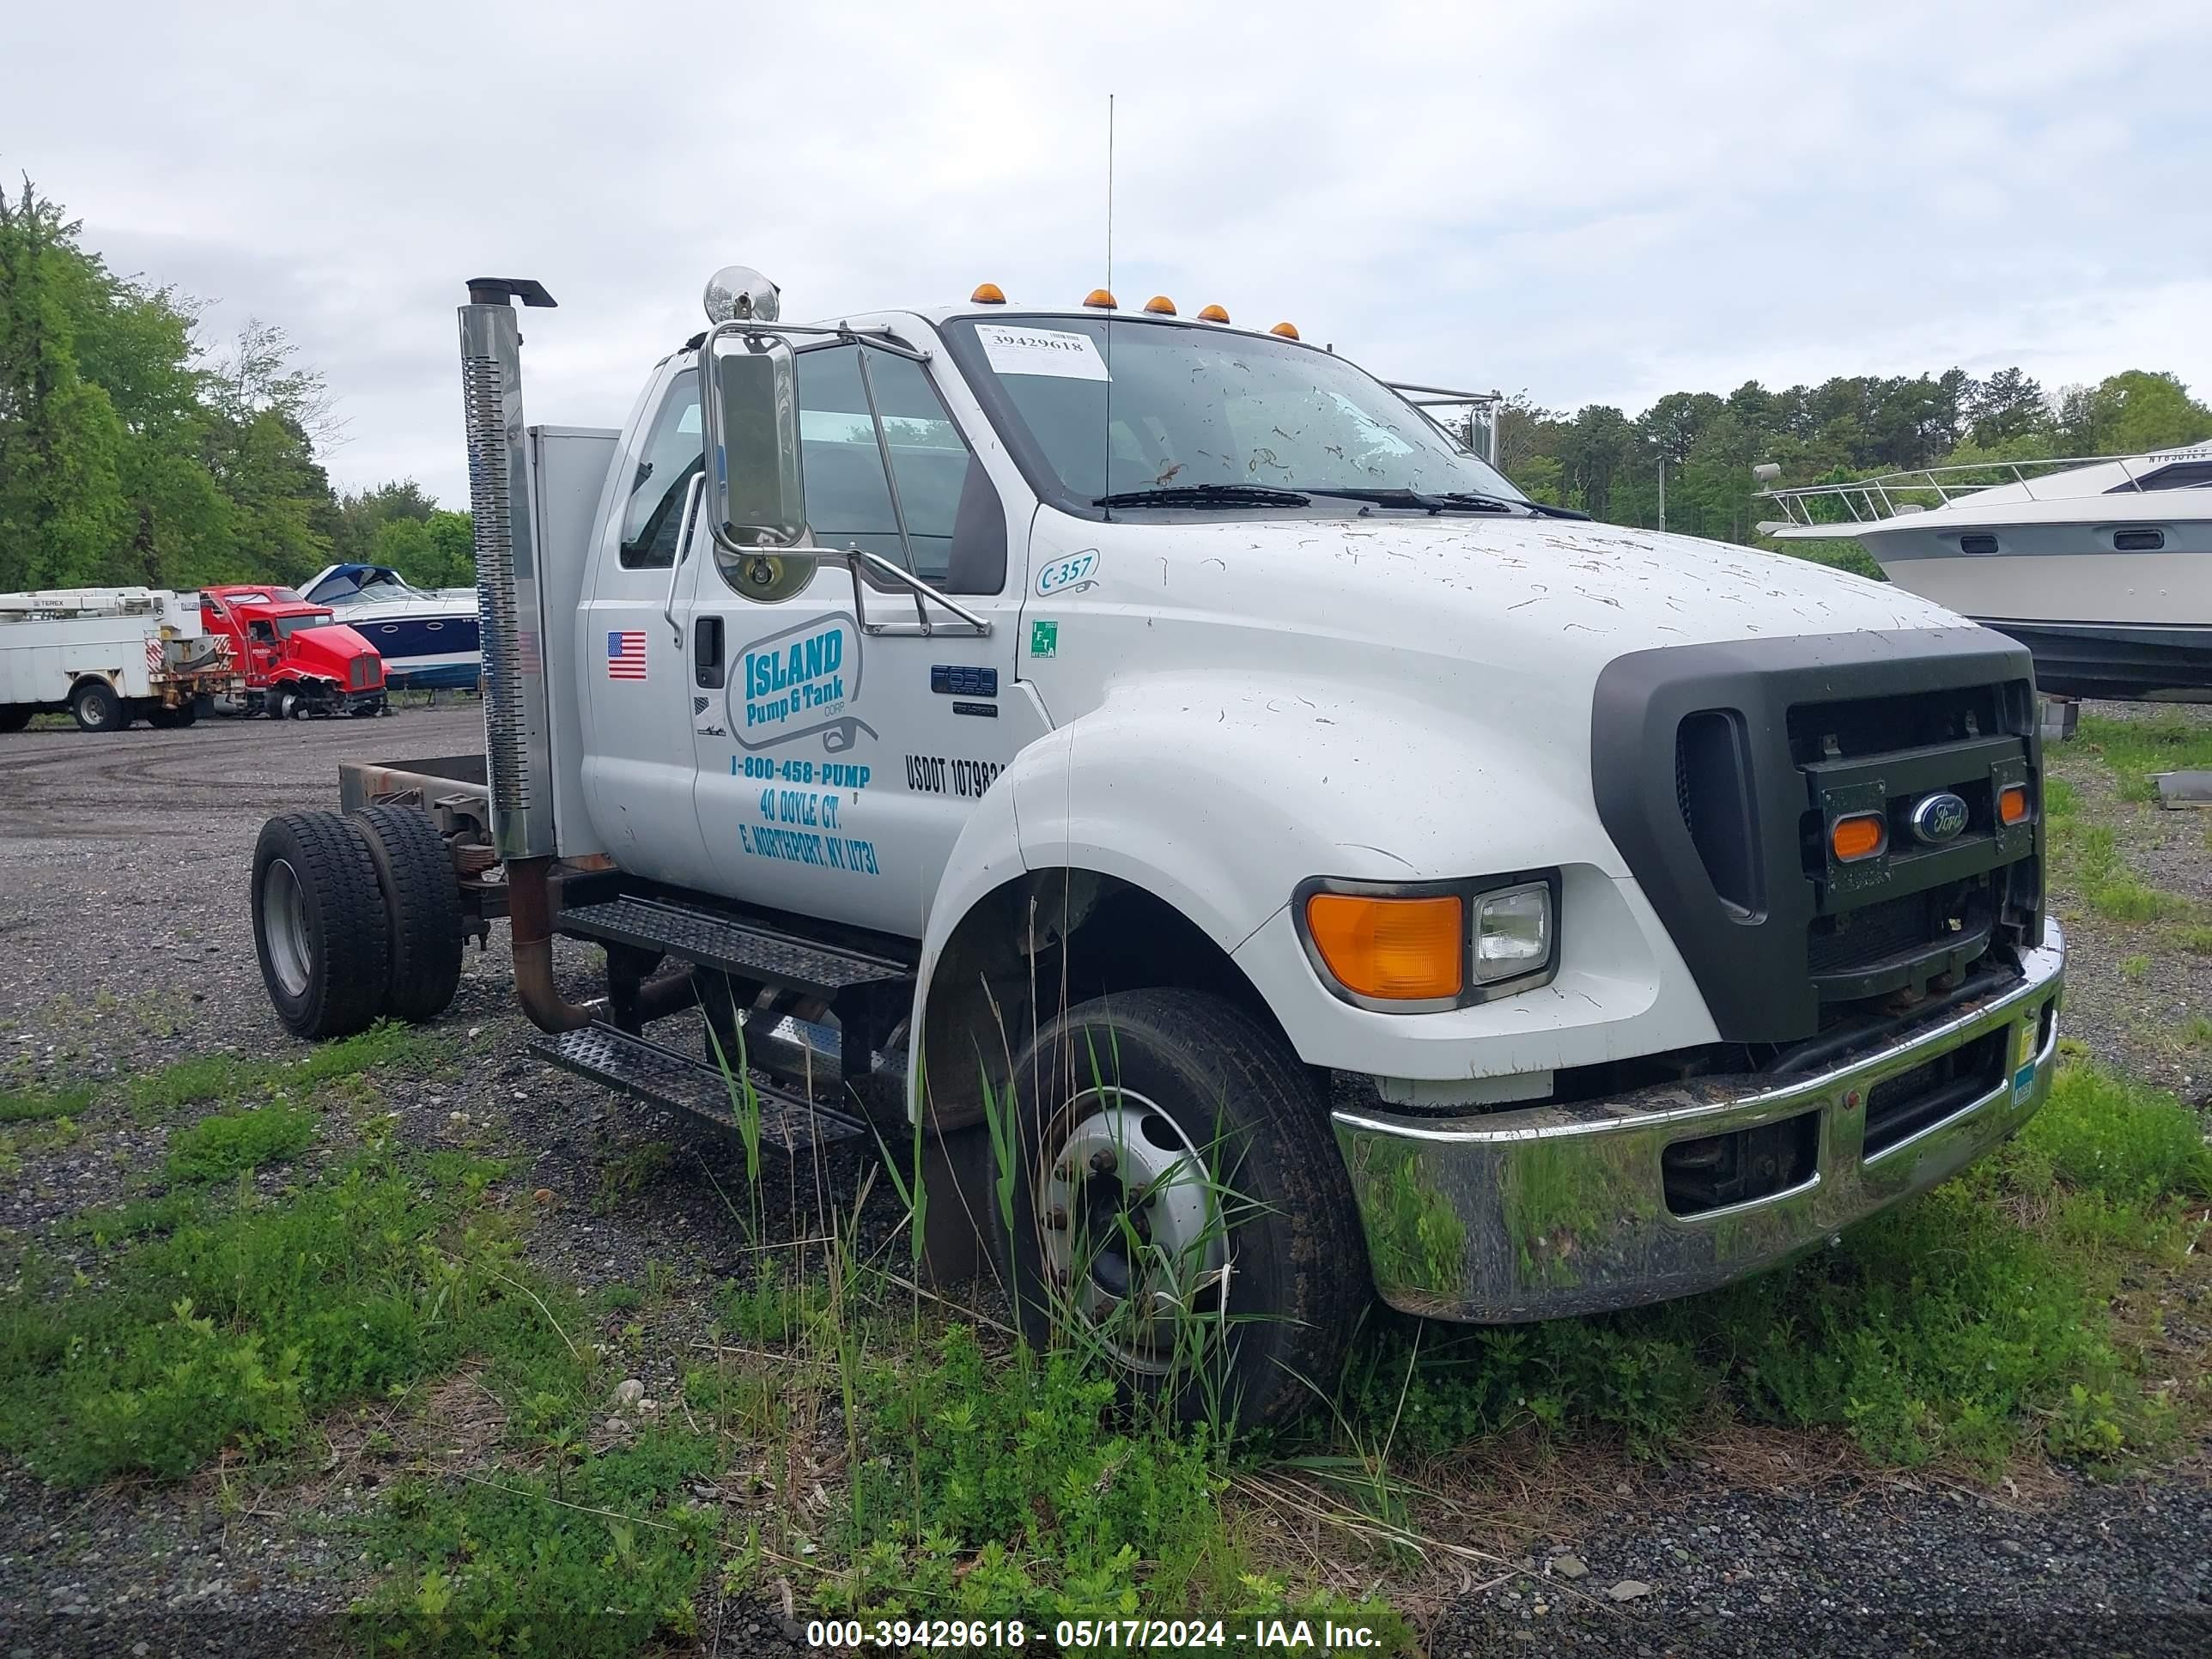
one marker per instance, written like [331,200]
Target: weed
[232,1143]
[140,1218]
[2197,1032]
[628,1175]
[595,1561]
[38,1105]
[239,1326]
[233,1077]
[2198,940]
[2137,749]
[2136,967]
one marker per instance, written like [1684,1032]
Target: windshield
[287,626]
[1195,407]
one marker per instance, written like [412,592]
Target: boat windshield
[1219,420]
[365,586]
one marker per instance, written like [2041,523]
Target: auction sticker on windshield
[1040,351]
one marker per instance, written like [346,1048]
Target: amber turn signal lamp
[2012,803]
[987,293]
[1288,331]
[1099,299]
[1160,306]
[1858,837]
[1213,314]
[1395,949]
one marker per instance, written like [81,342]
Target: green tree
[2131,413]
[61,509]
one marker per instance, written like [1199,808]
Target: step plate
[735,947]
[653,1074]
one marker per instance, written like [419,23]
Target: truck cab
[297,660]
[1199,793]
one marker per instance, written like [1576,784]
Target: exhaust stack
[517,722]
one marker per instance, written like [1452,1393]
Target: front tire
[1181,1207]
[95,707]
[319,924]
[423,906]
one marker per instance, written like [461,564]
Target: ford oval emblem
[1938,817]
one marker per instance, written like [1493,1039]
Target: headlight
[1422,947]
[1512,932]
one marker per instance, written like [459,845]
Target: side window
[674,452]
[953,516]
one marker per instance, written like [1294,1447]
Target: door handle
[683,551]
[707,652]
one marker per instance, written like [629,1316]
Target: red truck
[296,659]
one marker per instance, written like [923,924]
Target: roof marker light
[1160,306]
[1288,331]
[987,293]
[1099,299]
[1213,314]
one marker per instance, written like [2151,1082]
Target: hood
[331,650]
[1525,592]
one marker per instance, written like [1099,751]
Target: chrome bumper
[1510,1216]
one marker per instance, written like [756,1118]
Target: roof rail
[1866,501]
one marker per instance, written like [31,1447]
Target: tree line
[1609,463]
[133,453]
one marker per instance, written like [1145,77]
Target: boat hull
[423,652]
[2145,663]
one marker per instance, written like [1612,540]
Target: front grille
[1859,727]
[1915,1100]
[1718,771]
[362,674]
[1857,941]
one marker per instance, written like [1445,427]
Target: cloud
[1594,203]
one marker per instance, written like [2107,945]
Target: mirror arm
[891,476]
[684,528]
[854,557]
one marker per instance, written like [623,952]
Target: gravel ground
[2135,1023]
[128,945]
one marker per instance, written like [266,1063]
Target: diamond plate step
[734,947]
[667,1079]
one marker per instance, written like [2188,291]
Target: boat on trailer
[427,637]
[2101,566]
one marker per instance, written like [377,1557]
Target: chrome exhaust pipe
[516,718]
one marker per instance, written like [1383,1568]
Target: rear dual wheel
[355,919]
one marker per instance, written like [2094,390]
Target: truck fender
[1217,795]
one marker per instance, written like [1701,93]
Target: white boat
[2101,566]
[428,638]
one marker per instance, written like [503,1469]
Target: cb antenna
[1106,434]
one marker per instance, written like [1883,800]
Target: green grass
[43,1105]
[232,1143]
[243,1323]
[231,1078]
[1967,1327]
[2137,749]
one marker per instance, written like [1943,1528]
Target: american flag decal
[626,654]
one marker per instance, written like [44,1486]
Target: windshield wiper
[1205,494]
[1446,500]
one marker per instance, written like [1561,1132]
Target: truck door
[630,662]
[837,767]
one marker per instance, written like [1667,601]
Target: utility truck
[1200,792]
[108,657]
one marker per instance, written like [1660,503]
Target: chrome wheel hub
[1135,1243]
[285,925]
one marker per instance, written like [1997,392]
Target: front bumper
[1557,1210]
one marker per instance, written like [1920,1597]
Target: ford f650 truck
[1326,872]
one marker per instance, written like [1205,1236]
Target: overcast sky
[1592,203]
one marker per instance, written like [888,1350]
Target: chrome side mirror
[755,506]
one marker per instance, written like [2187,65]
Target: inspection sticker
[1040,351]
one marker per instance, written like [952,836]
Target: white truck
[108,656]
[1324,871]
